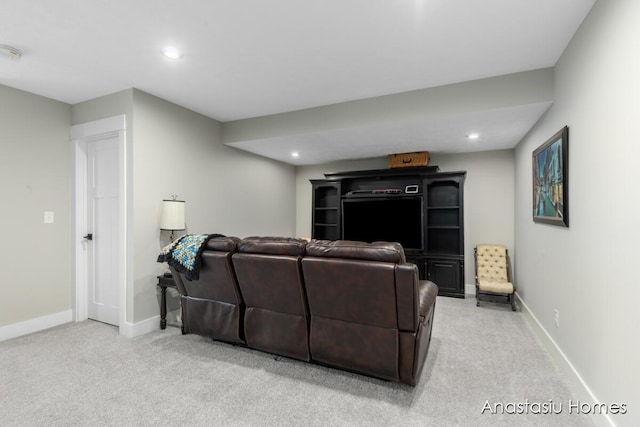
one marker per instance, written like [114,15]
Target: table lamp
[173,215]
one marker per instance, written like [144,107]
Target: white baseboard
[470,290]
[34,325]
[578,385]
[131,330]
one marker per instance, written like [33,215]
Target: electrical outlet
[556,317]
[48,217]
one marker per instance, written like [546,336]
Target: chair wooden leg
[513,301]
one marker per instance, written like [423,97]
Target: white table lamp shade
[172,217]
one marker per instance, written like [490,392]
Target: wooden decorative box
[404,160]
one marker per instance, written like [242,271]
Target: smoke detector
[10,52]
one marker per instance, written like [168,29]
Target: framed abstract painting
[550,180]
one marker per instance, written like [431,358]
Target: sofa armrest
[427,292]
[178,279]
[407,297]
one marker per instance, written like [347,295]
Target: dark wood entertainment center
[420,206]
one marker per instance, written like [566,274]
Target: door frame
[81,134]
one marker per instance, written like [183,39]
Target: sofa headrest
[273,245]
[223,244]
[376,251]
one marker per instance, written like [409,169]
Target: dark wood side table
[164,282]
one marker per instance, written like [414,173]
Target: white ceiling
[250,58]
[499,129]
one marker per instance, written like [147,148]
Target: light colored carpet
[85,374]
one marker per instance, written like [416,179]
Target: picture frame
[551,180]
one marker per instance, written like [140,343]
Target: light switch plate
[48,217]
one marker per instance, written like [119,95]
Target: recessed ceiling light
[473,136]
[172,53]
[295,154]
[10,52]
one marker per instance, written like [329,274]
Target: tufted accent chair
[492,273]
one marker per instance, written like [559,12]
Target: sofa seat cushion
[376,251]
[497,286]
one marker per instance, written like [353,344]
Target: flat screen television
[384,219]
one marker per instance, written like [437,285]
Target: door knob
[88,236]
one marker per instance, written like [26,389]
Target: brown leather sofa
[351,305]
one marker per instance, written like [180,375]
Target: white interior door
[103,224]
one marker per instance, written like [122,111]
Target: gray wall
[176,151]
[227,191]
[34,177]
[105,106]
[588,271]
[171,150]
[488,192]
[488,200]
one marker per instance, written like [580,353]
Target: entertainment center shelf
[419,207]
